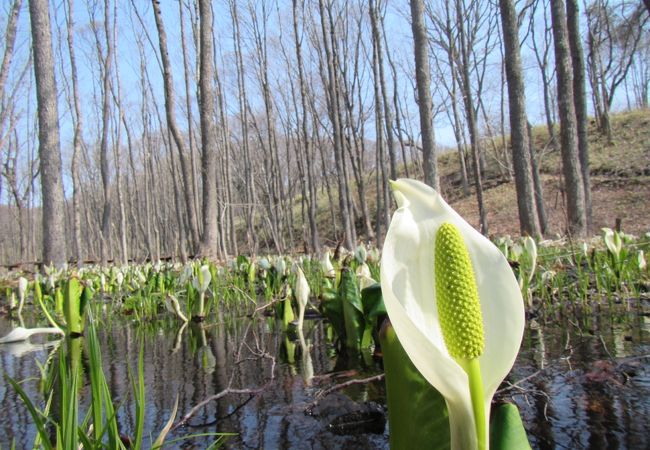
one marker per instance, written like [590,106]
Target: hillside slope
[620,180]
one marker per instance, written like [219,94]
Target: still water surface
[577,386]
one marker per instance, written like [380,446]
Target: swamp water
[578,386]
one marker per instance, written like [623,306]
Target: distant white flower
[328,268]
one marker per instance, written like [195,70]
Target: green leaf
[373,302]
[287,312]
[37,417]
[352,308]
[417,413]
[72,306]
[507,430]
[332,308]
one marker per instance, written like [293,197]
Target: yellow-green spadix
[412,287]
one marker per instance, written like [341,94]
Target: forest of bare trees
[142,130]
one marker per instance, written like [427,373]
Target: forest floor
[620,182]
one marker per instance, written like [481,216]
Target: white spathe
[202,282]
[22,334]
[301,293]
[408,288]
[328,267]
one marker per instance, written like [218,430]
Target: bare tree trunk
[191,135]
[312,198]
[229,238]
[77,138]
[580,100]
[250,197]
[574,186]
[173,127]
[425,104]
[378,62]
[10,40]
[54,251]
[208,133]
[528,220]
[470,113]
[539,191]
[334,110]
[120,119]
[541,55]
[456,125]
[105,62]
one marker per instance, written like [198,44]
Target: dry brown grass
[620,180]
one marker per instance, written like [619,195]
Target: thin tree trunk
[76,139]
[537,180]
[250,197]
[580,101]
[470,113]
[188,105]
[334,113]
[528,220]
[10,41]
[105,246]
[573,184]
[314,239]
[425,104]
[173,127]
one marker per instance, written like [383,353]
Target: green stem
[473,369]
[201,303]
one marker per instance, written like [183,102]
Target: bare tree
[173,127]
[333,92]
[574,186]
[615,32]
[209,142]
[541,51]
[306,138]
[54,249]
[425,104]
[521,157]
[580,100]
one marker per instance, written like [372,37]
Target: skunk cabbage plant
[301,293]
[455,305]
[201,283]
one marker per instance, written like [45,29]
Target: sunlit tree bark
[54,248]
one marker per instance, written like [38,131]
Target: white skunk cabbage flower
[364,276]
[301,292]
[51,281]
[202,280]
[640,259]
[22,290]
[328,268]
[613,241]
[280,266]
[119,279]
[264,263]
[484,345]
[186,274]
[201,284]
[360,254]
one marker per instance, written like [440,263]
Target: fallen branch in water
[325,392]
[518,382]
[227,391]
[259,353]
